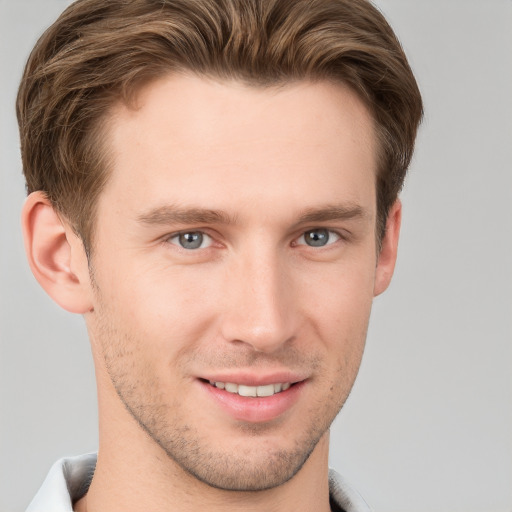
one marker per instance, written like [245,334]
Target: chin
[239,474]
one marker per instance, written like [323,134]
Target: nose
[260,309]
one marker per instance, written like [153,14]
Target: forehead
[223,140]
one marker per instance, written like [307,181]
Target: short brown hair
[99,52]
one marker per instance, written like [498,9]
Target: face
[233,270]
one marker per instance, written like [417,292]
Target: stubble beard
[234,471]
[254,469]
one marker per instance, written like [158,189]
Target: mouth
[252,391]
[251,401]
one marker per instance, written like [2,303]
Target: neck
[133,473]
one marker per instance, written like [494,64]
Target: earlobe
[55,255]
[388,253]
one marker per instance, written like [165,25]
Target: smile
[252,391]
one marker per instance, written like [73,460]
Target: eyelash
[325,230]
[301,240]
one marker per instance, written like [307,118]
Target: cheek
[160,308]
[340,311]
[341,297]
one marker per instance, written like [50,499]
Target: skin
[277,167]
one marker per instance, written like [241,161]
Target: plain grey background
[428,426]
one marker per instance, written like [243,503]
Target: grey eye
[318,237]
[191,240]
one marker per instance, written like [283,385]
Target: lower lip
[255,409]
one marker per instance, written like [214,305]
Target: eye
[318,238]
[191,240]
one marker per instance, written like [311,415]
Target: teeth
[265,390]
[232,388]
[247,390]
[242,390]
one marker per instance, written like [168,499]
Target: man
[214,187]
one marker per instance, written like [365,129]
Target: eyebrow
[176,215]
[333,212]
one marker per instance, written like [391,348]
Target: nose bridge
[260,308]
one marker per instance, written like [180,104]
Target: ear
[387,256]
[56,255]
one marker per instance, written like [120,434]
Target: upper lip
[253,378]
